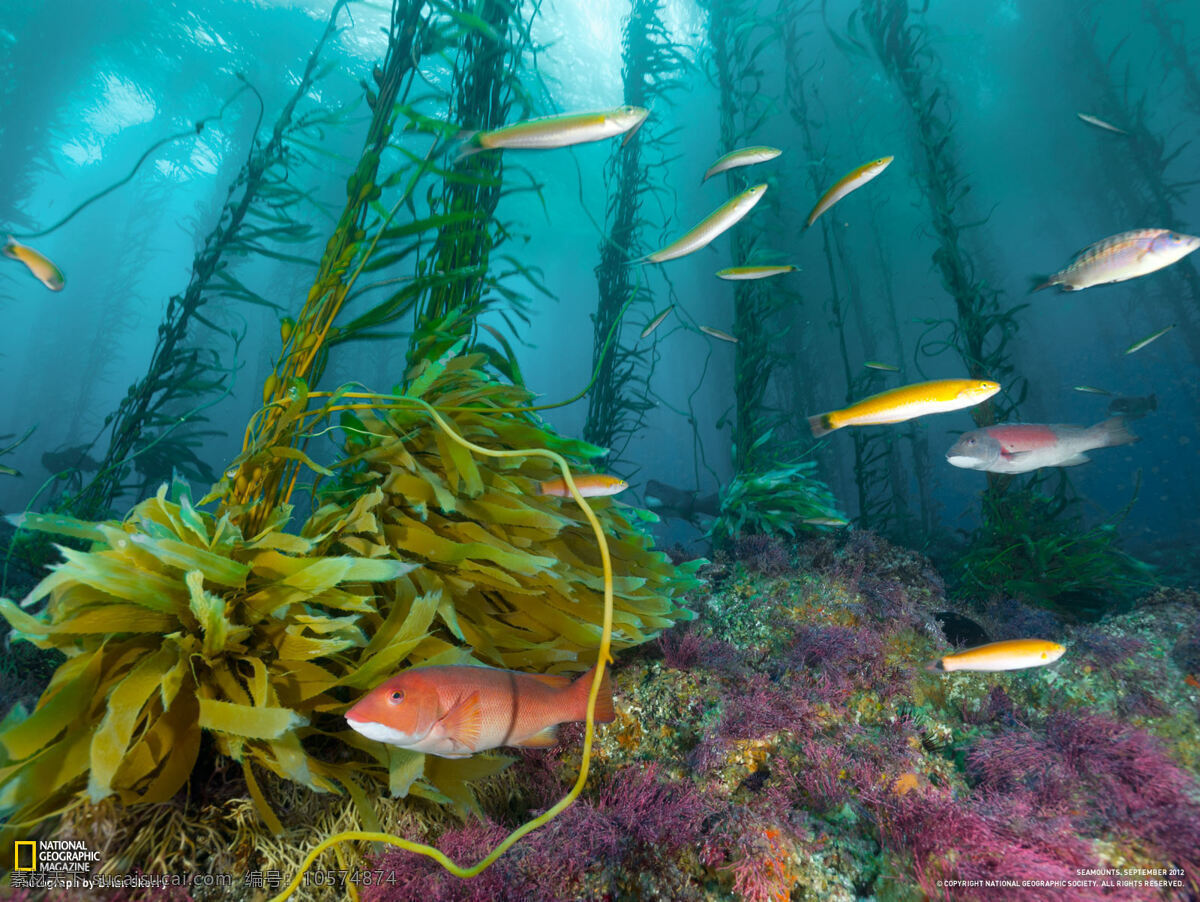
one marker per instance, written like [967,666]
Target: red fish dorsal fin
[464,722]
[555,681]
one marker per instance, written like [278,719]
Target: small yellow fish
[1092,390]
[563,130]
[716,222]
[717,333]
[882,367]
[1100,123]
[656,322]
[905,403]
[851,181]
[741,273]
[747,156]
[43,270]
[1011,654]
[590,485]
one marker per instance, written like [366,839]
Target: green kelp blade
[57,712]
[247,720]
[57,524]
[434,369]
[126,703]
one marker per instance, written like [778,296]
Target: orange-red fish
[455,711]
[590,485]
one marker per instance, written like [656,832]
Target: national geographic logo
[25,855]
[59,856]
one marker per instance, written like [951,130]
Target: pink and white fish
[1021,447]
[1122,257]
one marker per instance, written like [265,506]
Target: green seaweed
[1036,546]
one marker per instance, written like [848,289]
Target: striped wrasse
[1122,257]
[904,403]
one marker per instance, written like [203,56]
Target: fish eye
[970,441]
[396,696]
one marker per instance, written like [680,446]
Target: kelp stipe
[602,662]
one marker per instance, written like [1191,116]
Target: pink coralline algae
[1113,779]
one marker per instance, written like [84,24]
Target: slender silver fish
[1138,345]
[716,222]
[656,322]
[747,156]
[717,333]
[557,131]
[851,181]
[1121,257]
[1100,123]
[742,273]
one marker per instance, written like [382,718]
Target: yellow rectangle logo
[29,848]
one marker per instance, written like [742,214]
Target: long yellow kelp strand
[589,728]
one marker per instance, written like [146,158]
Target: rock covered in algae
[789,744]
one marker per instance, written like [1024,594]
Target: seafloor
[790,744]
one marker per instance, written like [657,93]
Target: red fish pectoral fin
[1013,455]
[463,723]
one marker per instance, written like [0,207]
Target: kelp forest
[537,344]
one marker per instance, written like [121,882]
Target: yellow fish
[905,403]
[43,270]
[716,222]
[1011,654]
[557,131]
[717,333]
[851,181]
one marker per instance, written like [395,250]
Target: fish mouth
[381,732]
[966,463]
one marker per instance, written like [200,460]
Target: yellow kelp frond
[518,572]
[173,624]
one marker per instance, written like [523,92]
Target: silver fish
[1120,257]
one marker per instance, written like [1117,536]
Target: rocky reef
[789,744]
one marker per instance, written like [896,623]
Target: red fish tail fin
[604,701]
[1037,283]
[1114,431]
[820,425]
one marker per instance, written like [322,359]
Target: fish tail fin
[935,666]
[9,244]
[1114,431]
[605,713]
[1037,283]
[468,144]
[821,425]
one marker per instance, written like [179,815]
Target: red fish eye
[396,697]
